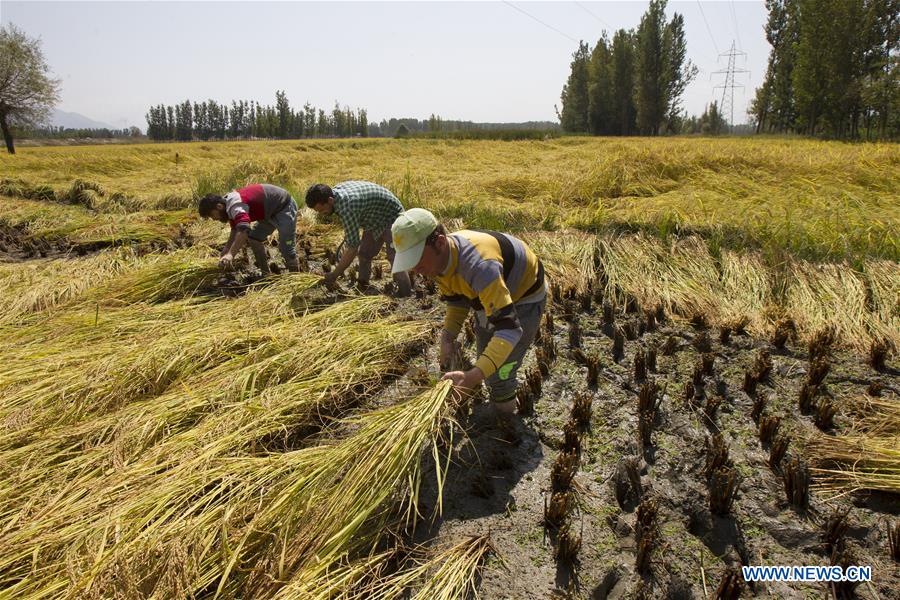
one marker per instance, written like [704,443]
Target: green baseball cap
[409,232]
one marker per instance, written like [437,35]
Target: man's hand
[330,280]
[465,380]
[226,260]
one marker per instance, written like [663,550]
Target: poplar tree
[601,115]
[575,102]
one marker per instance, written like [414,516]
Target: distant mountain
[73,120]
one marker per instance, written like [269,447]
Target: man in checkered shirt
[366,206]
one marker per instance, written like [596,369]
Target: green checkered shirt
[364,205]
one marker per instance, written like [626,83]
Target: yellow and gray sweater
[492,272]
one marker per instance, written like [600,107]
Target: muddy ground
[501,482]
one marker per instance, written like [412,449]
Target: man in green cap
[494,273]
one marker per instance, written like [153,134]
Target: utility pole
[727,103]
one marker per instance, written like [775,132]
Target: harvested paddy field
[715,382]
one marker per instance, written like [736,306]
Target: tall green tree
[284,113]
[812,64]
[662,71]
[651,69]
[601,110]
[575,102]
[880,82]
[623,83]
[27,91]
[678,70]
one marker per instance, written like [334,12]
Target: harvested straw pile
[240,524]
[867,458]
[568,257]
[38,286]
[445,573]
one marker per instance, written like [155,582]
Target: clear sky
[478,61]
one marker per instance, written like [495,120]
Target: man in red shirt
[268,208]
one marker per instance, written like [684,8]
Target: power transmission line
[565,35]
[700,6]
[729,85]
[590,12]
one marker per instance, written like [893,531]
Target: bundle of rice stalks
[807,398]
[85,193]
[784,329]
[441,573]
[649,399]
[682,278]
[878,352]
[711,407]
[162,277]
[129,368]
[859,461]
[701,342]
[749,385]
[38,286]
[825,411]
[829,297]
[568,257]
[883,278]
[762,365]
[571,437]
[251,511]
[670,346]
[260,399]
[874,416]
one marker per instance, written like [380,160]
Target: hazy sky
[478,61]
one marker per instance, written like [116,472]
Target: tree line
[833,69]
[212,120]
[630,84]
[435,124]
[57,132]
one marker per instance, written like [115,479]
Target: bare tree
[27,92]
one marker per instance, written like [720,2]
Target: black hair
[317,194]
[208,203]
[432,237]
